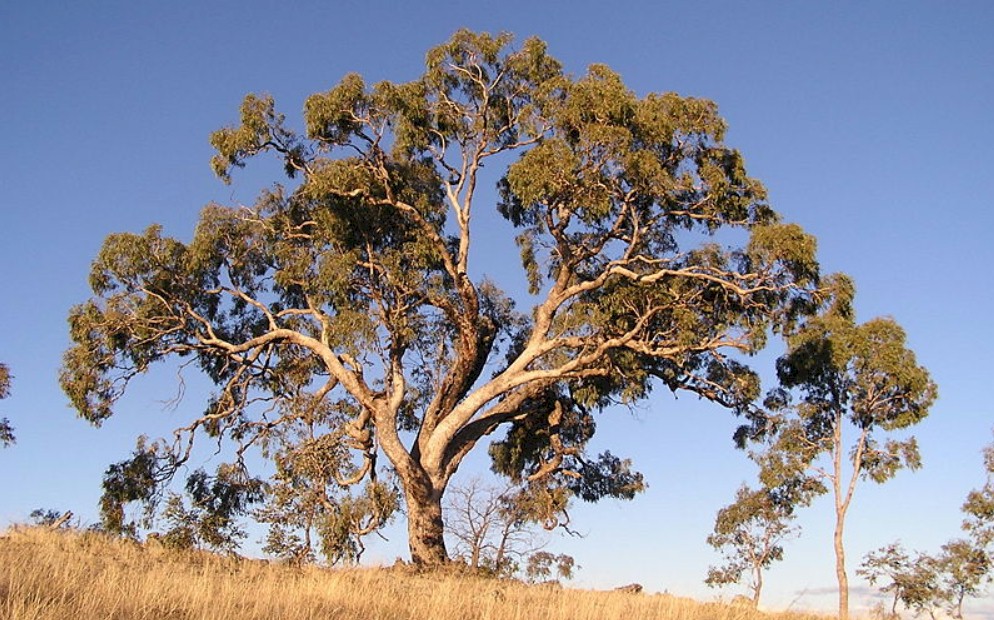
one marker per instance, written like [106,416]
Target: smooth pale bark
[757,589]
[840,567]
[843,499]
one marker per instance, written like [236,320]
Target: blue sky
[868,122]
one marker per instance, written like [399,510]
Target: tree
[969,563]
[352,292]
[494,528]
[48,517]
[337,527]
[6,430]
[861,377]
[749,533]
[959,571]
[963,569]
[914,582]
[926,583]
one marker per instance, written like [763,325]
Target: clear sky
[870,124]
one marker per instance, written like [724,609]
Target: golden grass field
[59,575]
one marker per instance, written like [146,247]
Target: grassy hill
[47,574]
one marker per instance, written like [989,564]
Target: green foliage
[133,480]
[979,507]
[969,563]
[926,583]
[344,524]
[536,448]
[964,569]
[543,565]
[309,505]
[210,520]
[343,303]
[861,376]
[4,381]
[912,581]
[45,516]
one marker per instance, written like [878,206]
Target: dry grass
[48,575]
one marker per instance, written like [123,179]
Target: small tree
[46,516]
[926,583]
[968,564]
[963,568]
[912,581]
[858,379]
[494,528]
[484,527]
[6,430]
[749,533]
[300,527]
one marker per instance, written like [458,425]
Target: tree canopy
[340,318]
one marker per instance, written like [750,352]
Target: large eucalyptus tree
[339,316]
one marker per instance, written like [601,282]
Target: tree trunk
[840,568]
[499,558]
[474,560]
[842,506]
[757,588]
[425,530]
[62,520]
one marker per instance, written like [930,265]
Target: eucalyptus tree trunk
[840,566]
[425,529]
[843,499]
[840,517]
[757,587]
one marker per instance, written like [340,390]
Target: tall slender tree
[853,383]
[351,294]
[914,581]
